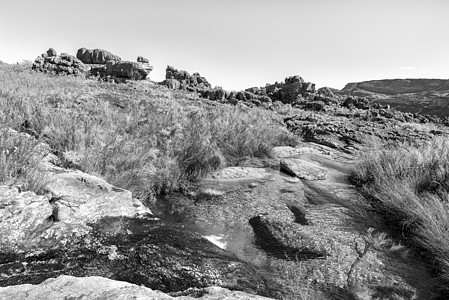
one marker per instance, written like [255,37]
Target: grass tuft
[409,186]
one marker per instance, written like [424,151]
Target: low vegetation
[409,187]
[139,137]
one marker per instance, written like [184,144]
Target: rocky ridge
[424,96]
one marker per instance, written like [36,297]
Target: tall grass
[139,137]
[409,186]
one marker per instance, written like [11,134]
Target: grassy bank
[137,136]
[409,186]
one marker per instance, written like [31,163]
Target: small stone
[142,59]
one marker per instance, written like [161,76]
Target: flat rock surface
[302,169]
[99,288]
[309,234]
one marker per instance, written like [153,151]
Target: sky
[237,44]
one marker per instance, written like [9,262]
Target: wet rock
[302,169]
[96,288]
[156,254]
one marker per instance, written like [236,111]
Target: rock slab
[302,169]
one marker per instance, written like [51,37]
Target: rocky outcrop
[96,62]
[177,79]
[96,56]
[74,200]
[99,288]
[110,66]
[50,62]
[128,69]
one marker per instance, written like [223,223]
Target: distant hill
[425,96]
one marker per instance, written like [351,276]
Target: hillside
[424,96]
[115,186]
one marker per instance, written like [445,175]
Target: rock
[96,56]
[294,79]
[51,52]
[128,69]
[60,64]
[22,215]
[189,82]
[172,83]
[77,199]
[142,59]
[302,169]
[99,288]
[325,91]
[236,173]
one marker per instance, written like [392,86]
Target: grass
[409,186]
[137,136]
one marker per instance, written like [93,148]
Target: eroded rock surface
[99,288]
[307,233]
[50,62]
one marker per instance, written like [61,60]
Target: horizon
[242,44]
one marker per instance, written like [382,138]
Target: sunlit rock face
[94,287]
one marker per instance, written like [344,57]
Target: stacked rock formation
[293,91]
[178,79]
[105,64]
[95,62]
[66,64]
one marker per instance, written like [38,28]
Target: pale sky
[238,44]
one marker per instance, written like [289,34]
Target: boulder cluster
[93,62]
[51,62]
[294,90]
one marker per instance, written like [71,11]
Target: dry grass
[409,187]
[137,136]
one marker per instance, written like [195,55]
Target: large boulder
[96,56]
[128,69]
[326,92]
[51,52]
